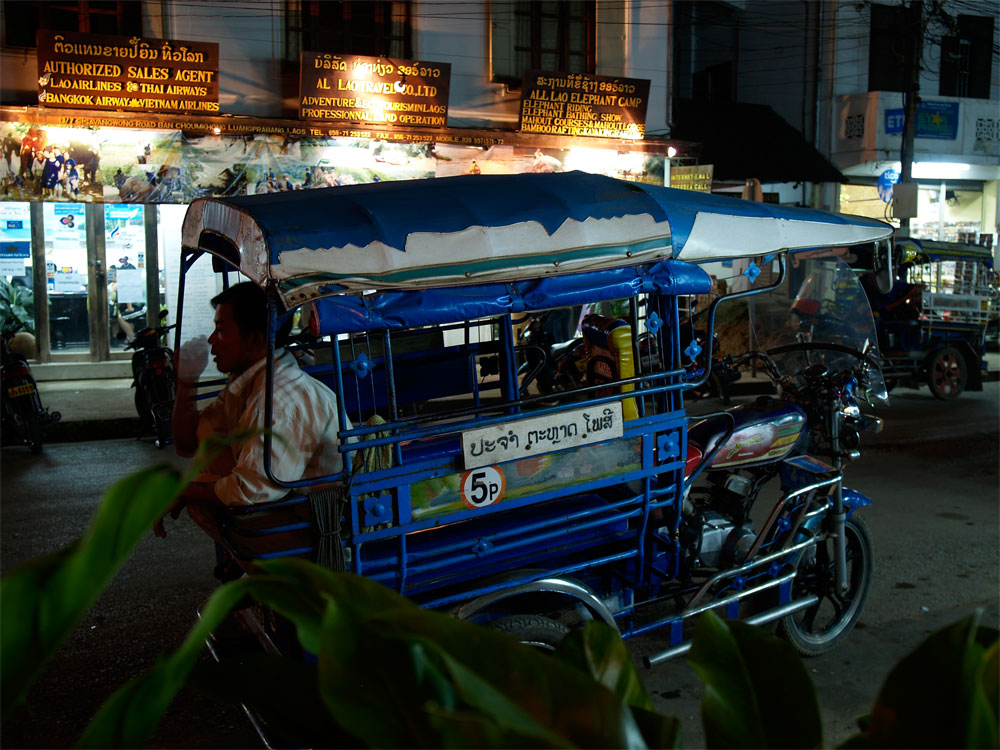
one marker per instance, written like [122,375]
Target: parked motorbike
[154,381]
[23,416]
[798,441]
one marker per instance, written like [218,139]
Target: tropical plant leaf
[282,693]
[729,707]
[42,601]
[939,695]
[131,715]
[597,650]
[757,691]
[381,653]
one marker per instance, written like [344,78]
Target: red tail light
[16,371]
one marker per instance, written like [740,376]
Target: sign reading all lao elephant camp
[374,90]
[583,105]
[134,74]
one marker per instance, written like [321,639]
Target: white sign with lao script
[532,437]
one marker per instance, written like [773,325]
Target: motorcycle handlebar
[148,334]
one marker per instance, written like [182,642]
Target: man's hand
[175,511]
[192,359]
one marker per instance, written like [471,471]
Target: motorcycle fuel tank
[766,430]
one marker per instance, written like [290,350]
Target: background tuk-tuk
[932,324]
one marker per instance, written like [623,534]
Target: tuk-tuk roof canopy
[931,251]
[475,229]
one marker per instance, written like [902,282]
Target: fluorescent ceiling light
[940,170]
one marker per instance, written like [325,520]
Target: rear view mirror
[882,265]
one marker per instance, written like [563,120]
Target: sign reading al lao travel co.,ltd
[583,105]
[373,90]
[135,74]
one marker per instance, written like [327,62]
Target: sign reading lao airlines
[583,105]
[374,90]
[94,71]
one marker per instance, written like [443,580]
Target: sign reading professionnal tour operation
[94,71]
[374,90]
[583,105]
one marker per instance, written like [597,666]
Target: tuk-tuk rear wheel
[542,633]
[946,373]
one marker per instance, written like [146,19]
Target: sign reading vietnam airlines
[374,90]
[585,105]
[94,71]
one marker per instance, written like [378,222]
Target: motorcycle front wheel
[821,627]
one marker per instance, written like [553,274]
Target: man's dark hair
[249,304]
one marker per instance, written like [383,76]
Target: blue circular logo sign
[886,180]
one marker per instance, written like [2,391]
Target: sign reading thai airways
[373,90]
[583,105]
[95,71]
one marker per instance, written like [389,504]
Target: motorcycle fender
[854,500]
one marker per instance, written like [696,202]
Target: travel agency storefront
[93,197]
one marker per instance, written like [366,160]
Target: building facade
[95,238]
[801,95]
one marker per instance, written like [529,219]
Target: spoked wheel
[821,627]
[542,633]
[946,374]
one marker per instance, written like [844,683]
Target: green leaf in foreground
[943,694]
[757,691]
[41,601]
[442,681]
[131,715]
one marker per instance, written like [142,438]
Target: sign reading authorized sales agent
[373,90]
[135,74]
[583,105]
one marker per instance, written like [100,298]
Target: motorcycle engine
[709,536]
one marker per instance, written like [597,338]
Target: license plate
[21,390]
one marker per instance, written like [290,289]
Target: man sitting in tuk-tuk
[305,417]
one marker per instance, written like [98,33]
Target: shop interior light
[940,170]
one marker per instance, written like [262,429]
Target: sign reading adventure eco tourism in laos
[135,74]
[583,105]
[374,90]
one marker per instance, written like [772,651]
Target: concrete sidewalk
[100,409]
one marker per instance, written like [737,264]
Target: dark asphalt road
[935,524]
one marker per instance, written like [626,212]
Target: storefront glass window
[125,250]
[957,218]
[16,298]
[66,271]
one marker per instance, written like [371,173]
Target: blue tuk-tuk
[529,512]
